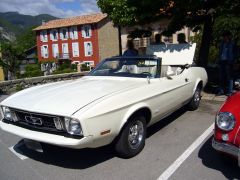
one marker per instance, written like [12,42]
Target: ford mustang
[114,103]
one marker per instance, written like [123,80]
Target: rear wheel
[195,101]
[131,141]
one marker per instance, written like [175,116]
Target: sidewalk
[213,97]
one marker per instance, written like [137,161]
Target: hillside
[13,24]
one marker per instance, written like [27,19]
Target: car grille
[36,121]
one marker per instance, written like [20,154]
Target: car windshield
[128,67]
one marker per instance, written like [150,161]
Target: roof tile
[78,20]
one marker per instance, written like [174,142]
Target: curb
[213,97]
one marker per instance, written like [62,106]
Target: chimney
[43,22]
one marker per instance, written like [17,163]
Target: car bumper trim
[225,148]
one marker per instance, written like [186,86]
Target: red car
[227,127]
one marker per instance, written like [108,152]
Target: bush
[213,55]
[32,70]
[84,67]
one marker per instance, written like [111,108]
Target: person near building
[181,38]
[158,40]
[131,51]
[227,55]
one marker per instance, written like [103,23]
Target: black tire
[195,101]
[125,146]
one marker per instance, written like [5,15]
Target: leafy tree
[27,39]
[191,13]
[10,58]
[13,52]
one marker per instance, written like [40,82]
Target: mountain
[13,24]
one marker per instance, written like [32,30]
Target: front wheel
[131,141]
[195,101]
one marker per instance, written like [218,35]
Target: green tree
[27,39]
[191,13]
[10,58]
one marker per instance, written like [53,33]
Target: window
[86,31]
[55,50]
[75,49]
[43,36]
[54,35]
[73,33]
[64,33]
[88,48]
[44,51]
[65,53]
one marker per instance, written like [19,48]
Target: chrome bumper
[226,148]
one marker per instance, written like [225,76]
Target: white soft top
[173,54]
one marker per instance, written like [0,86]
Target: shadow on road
[212,159]
[164,122]
[86,158]
[69,158]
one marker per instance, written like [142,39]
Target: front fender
[196,84]
[133,109]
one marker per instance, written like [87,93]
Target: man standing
[226,61]
[131,51]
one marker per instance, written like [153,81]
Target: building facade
[82,39]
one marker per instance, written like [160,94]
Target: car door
[168,94]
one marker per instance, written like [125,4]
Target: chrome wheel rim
[197,96]
[135,135]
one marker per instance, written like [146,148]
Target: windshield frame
[159,63]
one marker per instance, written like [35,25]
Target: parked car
[115,102]
[227,127]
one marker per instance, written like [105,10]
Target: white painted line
[15,150]
[176,164]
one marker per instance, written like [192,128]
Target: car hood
[67,97]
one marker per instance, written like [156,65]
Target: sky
[58,8]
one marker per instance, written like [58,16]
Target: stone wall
[19,84]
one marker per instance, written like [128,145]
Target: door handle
[186,79]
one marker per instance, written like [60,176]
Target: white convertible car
[114,103]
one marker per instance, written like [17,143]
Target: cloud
[32,7]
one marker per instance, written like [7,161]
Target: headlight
[8,114]
[225,121]
[73,126]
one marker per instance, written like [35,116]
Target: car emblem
[33,120]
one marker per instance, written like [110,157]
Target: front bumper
[54,139]
[225,148]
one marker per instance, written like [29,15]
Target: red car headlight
[225,121]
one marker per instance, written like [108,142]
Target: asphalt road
[167,140]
